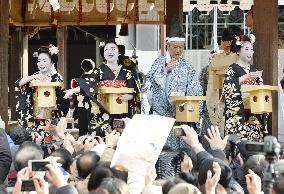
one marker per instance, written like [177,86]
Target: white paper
[142,142]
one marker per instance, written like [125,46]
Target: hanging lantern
[86,7]
[152,4]
[226,8]
[45,7]
[246,5]
[159,5]
[187,7]
[214,2]
[224,2]
[121,5]
[204,6]
[101,5]
[144,6]
[236,2]
[67,6]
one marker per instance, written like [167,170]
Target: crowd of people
[210,157]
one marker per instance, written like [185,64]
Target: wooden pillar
[4,42]
[25,64]
[173,8]
[15,64]
[266,48]
[62,55]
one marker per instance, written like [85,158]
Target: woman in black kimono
[238,119]
[29,114]
[109,74]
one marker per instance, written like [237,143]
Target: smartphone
[178,131]
[38,165]
[118,123]
[28,185]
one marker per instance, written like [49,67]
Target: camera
[28,185]
[178,131]
[118,124]
[270,147]
[38,165]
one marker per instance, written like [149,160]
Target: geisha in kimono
[238,118]
[108,74]
[30,114]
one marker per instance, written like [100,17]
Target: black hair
[53,58]
[101,172]
[19,135]
[86,162]
[65,156]
[227,35]
[87,65]
[112,186]
[236,48]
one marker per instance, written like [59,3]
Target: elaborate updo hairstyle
[46,49]
[238,42]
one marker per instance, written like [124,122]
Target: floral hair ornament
[239,40]
[53,50]
[35,54]
[102,44]
[252,38]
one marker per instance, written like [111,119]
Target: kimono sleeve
[232,93]
[158,73]
[62,104]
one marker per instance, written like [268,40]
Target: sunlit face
[246,52]
[227,46]
[44,62]
[176,49]
[111,52]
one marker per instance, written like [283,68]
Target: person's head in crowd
[47,57]
[86,162]
[112,186]
[87,65]
[19,135]
[184,188]
[176,40]
[27,151]
[278,187]
[226,172]
[101,172]
[170,183]
[257,164]
[249,18]
[65,158]
[226,41]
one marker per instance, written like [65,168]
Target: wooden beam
[25,64]
[15,64]
[62,55]
[4,42]
[266,49]
[74,23]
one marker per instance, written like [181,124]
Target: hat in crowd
[226,172]
[183,188]
[176,33]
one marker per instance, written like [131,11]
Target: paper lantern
[101,5]
[121,5]
[226,8]
[67,5]
[187,7]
